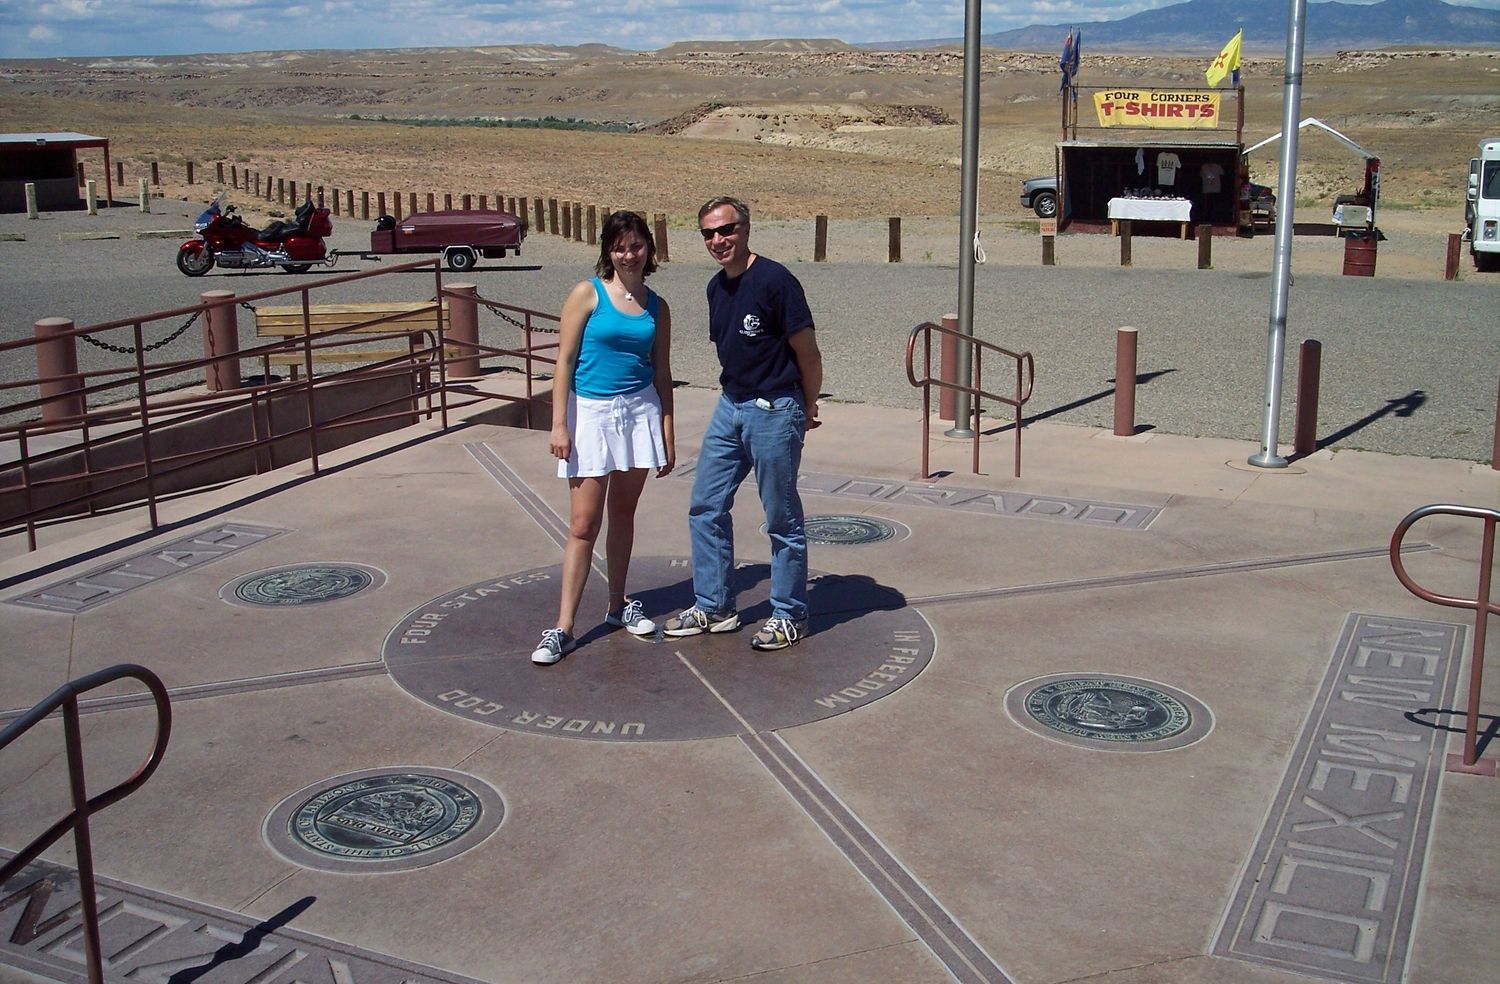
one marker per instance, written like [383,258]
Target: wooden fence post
[1205,246]
[380,203]
[593,230]
[552,215]
[820,239]
[578,222]
[1124,242]
[662,253]
[189,171]
[567,220]
[893,239]
[155,175]
[219,171]
[466,200]
[541,218]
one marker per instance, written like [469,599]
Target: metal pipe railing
[85,806]
[1481,605]
[1025,369]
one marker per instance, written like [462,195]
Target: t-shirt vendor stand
[1152,154]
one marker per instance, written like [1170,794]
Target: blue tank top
[615,356]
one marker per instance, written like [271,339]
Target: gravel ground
[1410,361]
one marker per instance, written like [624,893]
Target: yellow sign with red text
[1166,108]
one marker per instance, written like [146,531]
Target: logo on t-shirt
[751,327]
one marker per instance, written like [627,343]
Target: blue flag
[1068,62]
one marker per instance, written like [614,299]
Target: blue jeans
[763,436]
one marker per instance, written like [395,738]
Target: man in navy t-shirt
[759,322]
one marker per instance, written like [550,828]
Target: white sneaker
[632,618]
[554,646]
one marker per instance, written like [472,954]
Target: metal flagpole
[1286,195]
[967,220]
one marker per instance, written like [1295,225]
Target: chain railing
[1482,606]
[84,805]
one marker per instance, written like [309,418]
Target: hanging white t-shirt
[1213,176]
[1167,164]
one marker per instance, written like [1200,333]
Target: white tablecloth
[1151,209]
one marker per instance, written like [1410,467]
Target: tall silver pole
[967,220]
[1286,199]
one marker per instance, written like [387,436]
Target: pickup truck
[461,236]
[1040,195]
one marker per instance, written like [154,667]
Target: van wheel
[460,259]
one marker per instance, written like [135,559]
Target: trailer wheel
[461,259]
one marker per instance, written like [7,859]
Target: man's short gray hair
[713,203]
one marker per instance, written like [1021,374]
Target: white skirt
[615,433]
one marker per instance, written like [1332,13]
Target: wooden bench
[418,319]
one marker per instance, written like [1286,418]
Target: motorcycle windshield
[206,217]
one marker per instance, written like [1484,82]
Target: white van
[1482,206]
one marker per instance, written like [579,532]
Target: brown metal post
[893,239]
[662,252]
[57,366]
[221,341]
[463,328]
[1495,451]
[1309,370]
[1205,246]
[948,370]
[1125,353]
[820,239]
[1124,242]
[1455,250]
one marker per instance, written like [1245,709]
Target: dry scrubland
[797,127]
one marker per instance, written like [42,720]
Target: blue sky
[49,28]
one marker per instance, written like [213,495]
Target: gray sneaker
[632,618]
[695,621]
[778,633]
[554,646]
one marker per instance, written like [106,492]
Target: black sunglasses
[723,230]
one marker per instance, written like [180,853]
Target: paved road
[1409,366]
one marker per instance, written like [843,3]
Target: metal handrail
[1481,605]
[84,805]
[1025,376]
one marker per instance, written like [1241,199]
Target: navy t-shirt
[750,319]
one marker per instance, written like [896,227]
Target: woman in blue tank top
[611,420]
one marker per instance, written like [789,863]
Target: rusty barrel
[1359,255]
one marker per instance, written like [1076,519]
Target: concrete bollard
[1309,371]
[57,367]
[663,253]
[1125,353]
[948,370]
[893,239]
[820,239]
[91,194]
[145,194]
[31,212]
[221,341]
[463,327]
[1205,247]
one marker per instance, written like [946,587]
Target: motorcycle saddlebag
[320,224]
[304,248]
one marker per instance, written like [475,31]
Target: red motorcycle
[296,245]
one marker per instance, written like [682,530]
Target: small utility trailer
[462,236]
